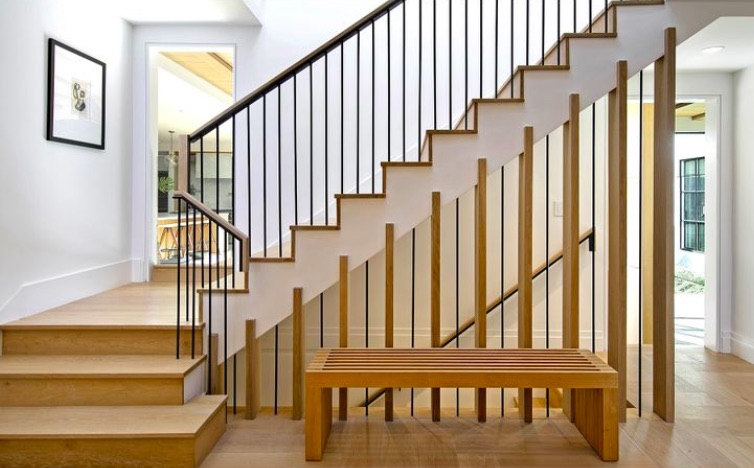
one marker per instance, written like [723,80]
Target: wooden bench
[594,384]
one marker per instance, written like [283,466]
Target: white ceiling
[736,34]
[186,11]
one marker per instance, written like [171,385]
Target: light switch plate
[557,209]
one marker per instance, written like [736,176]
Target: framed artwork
[75,97]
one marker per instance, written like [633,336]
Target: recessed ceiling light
[713,49]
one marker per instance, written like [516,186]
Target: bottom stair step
[112,436]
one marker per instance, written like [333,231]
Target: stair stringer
[499,138]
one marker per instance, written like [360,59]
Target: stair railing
[207,245]
[368,96]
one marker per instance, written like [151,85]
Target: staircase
[580,63]
[96,383]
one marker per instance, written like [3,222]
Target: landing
[138,304]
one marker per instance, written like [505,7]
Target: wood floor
[714,428]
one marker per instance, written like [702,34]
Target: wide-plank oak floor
[714,428]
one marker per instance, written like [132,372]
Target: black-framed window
[692,204]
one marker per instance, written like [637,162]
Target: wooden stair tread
[109,421]
[83,366]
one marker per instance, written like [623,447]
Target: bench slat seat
[594,383]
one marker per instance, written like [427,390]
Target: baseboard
[38,296]
[742,347]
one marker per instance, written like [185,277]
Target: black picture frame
[75,97]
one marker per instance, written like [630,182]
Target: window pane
[688,167]
[700,237]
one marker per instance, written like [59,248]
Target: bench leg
[595,414]
[318,421]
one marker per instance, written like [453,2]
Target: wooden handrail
[465,326]
[293,69]
[211,214]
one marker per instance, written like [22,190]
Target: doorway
[690,209]
[189,86]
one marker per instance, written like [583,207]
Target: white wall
[742,331]
[65,226]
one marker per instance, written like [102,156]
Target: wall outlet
[557,209]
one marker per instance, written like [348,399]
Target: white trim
[41,295]
[740,346]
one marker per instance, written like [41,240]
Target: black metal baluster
[358,110]
[481,49]
[403,68]
[366,326]
[590,15]
[450,64]
[497,39]
[201,169]
[389,146]
[434,59]
[321,320]
[502,277]
[311,144]
[186,256]
[217,264]
[547,259]
[295,149]
[641,228]
[217,169]
[466,65]
[280,175]
[513,51]
[232,215]
[209,311]
[248,177]
[374,40]
[527,31]
[235,377]
[264,175]
[193,282]
[178,289]
[327,141]
[419,108]
[225,312]
[275,404]
[458,302]
[558,37]
[594,211]
[342,119]
[575,11]
[544,24]
[413,298]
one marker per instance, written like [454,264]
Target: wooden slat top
[571,368]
